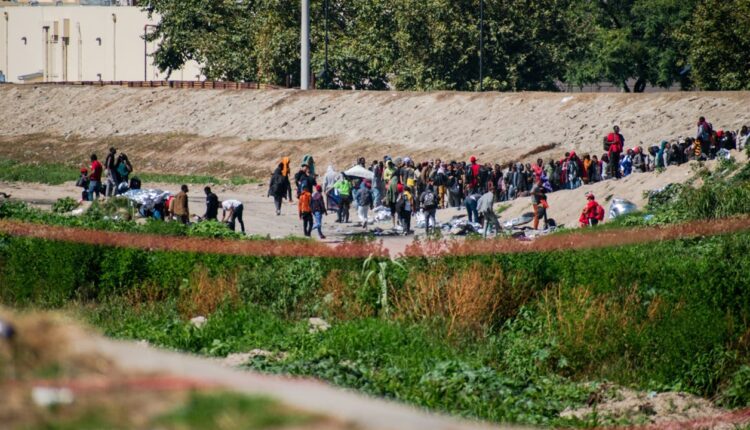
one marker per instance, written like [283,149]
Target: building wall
[101,43]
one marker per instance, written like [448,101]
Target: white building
[72,42]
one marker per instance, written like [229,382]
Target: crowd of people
[406,187]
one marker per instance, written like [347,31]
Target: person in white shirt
[232,209]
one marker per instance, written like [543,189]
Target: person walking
[232,212]
[280,188]
[212,205]
[110,163]
[485,207]
[344,189]
[429,202]
[539,203]
[405,205]
[180,205]
[305,211]
[391,197]
[318,207]
[95,178]
[364,201]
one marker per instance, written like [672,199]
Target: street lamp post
[325,64]
[481,44]
[305,46]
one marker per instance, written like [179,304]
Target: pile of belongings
[521,220]
[150,203]
[620,207]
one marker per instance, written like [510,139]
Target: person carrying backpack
[593,212]
[404,206]
[364,201]
[429,205]
[705,129]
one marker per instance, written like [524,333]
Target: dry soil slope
[336,125]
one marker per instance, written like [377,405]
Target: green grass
[59,173]
[230,412]
[48,173]
[227,411]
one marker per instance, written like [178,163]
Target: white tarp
[359,172]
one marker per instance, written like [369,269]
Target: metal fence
[212,85]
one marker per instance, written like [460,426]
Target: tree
[719,52]
[215,33]
[631,39]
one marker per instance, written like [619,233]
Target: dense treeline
[434,44]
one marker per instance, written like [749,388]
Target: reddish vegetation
[583,239]
[151,242]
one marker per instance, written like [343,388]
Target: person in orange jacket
[305,210]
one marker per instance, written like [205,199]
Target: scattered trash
[198,321]
[421,219]
[50,396]
[620,207]
[521,220]
[241,358]
[317,325]
[382,213]
[7,331]
[724,153]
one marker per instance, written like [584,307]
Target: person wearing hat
[405,205]
[592,213]
[344,190]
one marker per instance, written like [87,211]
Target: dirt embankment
[245,132]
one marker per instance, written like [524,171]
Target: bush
[64,205]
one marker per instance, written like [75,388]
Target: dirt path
[358,410]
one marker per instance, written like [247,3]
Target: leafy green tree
[720,45]
[215,33]
[631,39]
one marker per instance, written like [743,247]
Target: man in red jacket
[616,145]
[592,213]
[95,178]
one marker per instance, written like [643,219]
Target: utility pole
[305,46]
[481,44]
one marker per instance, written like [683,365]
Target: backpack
[573,169]
[599,212]
[428,199]
[135,183]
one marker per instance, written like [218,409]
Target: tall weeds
[470,300]
[202,294]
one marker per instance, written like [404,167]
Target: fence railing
[212,85]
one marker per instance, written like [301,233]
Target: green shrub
[737,392]
[64,205]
